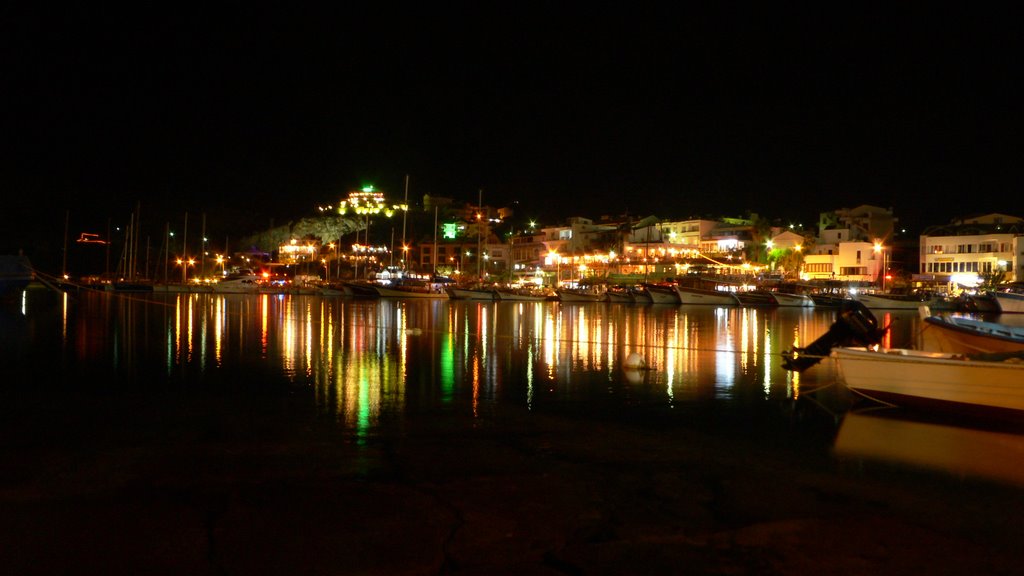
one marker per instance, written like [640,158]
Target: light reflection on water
[368,365]
[364,359]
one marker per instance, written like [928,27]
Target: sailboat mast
[167,247]
[136,233]
[202,249]
[64,263]
[479,230]
[184,250]
[434,257]
[404,213]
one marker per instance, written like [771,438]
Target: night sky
[249,112]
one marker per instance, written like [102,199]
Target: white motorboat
[890,301]
[689,295]
[662,293]
[905,376]
[580,295]
[241,283]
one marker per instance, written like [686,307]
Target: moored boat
[828,300]
[1010,302]
[640,295]
[755,298]
[791,299]
[412,288]
[244,282]
[982,303]
[332,289]
[958,334]
[468,293]
[662,293]
[620,295]
[580,295]
[524,295]
[938,379]
[359,289]
[893,301]
[690,295]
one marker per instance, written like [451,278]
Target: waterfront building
[843,261]
[579,249]
[526,254]
[729,236]
[967,250]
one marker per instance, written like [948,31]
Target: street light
[553,255]
[879,249]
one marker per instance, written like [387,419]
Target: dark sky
[252,111]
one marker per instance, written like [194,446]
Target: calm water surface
[368,365]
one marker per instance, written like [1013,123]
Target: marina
[654,289]
[284,406]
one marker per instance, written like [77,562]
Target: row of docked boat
[641,294]
[649,293]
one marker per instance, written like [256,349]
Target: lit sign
[87,238]
[449,230]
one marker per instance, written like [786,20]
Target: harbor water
[208,433]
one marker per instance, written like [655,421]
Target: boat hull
[1009,302]
[829,300]
[513,296]
[885,302]
[385,292]
[248,285]
[471,294]
[662,294]
[574,296]
[753,298]
[705,297]
[798,300]
[964,335]
[912,376]
[360,289]
[620,297]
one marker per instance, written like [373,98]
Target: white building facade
[844,261]
[968,250]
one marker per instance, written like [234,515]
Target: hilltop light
[365,201]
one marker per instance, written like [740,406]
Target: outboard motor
[855,326]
